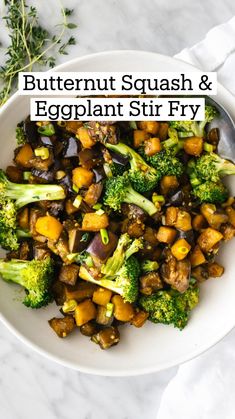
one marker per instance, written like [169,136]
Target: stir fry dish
[117,222]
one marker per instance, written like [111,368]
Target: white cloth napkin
[204,388]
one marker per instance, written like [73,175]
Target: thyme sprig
[30,43]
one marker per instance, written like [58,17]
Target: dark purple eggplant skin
[176,198]
[187,235]
[99,174]
[119,158]
[48,176]
[66,182]
[99,249]
[46,141]
[70,148]
[31,132]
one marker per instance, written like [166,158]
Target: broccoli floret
[20,135]
[121,271]
[149,266]
[194,127]
[212,167]
[171,307]
[125,282]
[213,192]
[166,163]
[23,194]
[119,190]
[35,276]
[117,169]
[143,177]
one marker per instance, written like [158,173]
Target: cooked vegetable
[123,310]
[197,257]
[82,177]
[143,177]
[35,276]
[84,312]
[212,167]
[94,222]
[208,239]
[49,227]
[107,337]
[121,271]
[72,203]
[102,296]
[193,146]
[150,282]
[166,235]
[215,270]
[180,249]
[193,127]
[62,326]
[171,307]
[211,192]
[119,190]
[24,156]
[165,163]
[139,318]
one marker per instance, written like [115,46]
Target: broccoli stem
[11,271]
[133,197]
[106,283]
[25,194]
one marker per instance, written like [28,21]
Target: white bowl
[153,347]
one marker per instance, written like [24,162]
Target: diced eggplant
[14,174]
[46,141]
[150,283]
[100,250]
[47,176]
[88,329]
[101,317]
[66,182]
[133,212]
[93,194]
[40,251]
[175,198]
[24,251]
[119,158]
[107,337]
[99,174]
[69,274]
[187,235]
[89,158]
[70,148]
[62,326]
[53,207]
[78,240]
[58,291]
[31,131]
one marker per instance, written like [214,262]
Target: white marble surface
[34,387]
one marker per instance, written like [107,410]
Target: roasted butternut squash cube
[197,257]
[85,138]
[24,155]
[123,311]
[180,249]
[209,238]
[82,177]
[84,312]
[193,146]
[94,222]
[166,234]
[102,296]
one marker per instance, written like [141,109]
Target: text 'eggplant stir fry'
[116,222]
